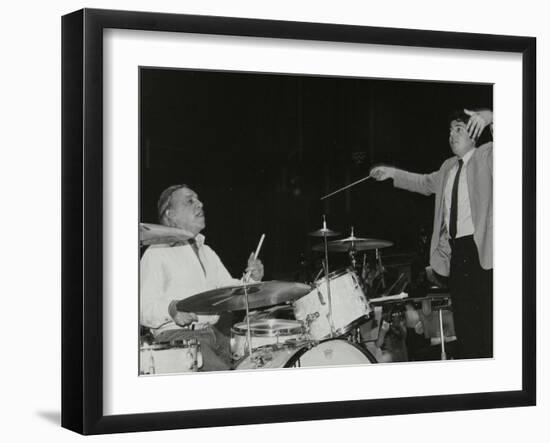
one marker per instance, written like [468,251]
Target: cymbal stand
[352,251]
[331,323]
[246,278]
[381,268]
[351,254]
[248,331]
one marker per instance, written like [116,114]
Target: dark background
[261,149]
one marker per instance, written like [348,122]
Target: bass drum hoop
[338,333]
[296,356]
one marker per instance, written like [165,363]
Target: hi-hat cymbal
[231,298]
[324,232]
[345,245]
[353,238]
[151,234]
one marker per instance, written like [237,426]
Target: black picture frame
[82,218]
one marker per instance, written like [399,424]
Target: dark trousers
[472,300]
[215,346]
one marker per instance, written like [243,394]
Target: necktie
[454,201]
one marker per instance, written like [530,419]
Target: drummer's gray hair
[165,201]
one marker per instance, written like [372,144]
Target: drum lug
[321,298]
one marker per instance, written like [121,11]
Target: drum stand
[442,335]
[246,277]
[324,230]
[380,268]
[248,332]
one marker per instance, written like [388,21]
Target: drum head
[334,274]
[332,352]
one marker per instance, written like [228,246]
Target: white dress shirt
[169,273]
[464,224]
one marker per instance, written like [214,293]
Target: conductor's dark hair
[461,116]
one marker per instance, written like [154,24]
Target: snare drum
[349,305]
[332,352]
[272,331]
[166,358]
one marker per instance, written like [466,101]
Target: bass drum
[332,352]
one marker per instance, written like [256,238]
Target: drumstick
[259,246]
[346,187]
[247,275]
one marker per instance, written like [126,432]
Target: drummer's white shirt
[170,273]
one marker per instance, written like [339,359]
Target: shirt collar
[198,240]
[467,156]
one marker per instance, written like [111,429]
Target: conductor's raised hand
[381,173]
[478,121]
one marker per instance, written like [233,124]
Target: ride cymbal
[346,245]
[232,298]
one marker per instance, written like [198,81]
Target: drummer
[169,273]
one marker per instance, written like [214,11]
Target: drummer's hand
[255,267]
[381,173]
[184,318]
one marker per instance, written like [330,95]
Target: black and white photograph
[295,221]
[270,221]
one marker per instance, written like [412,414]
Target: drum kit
[287,324]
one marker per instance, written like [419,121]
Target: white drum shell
[349,304]
[155,359]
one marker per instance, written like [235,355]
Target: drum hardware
[396,308]
[400,280]
[310,318]
[355,336]
[246,278]
[364,271]
[442,335]
[321,298]
[381,268]
[248,335]
[325,231]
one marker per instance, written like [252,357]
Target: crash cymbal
[231,298]
[346,245]
[324,232]
[151,234]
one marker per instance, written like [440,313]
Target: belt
[453,242]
